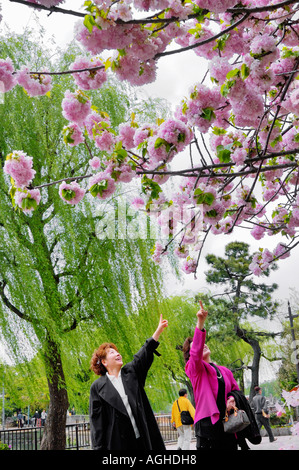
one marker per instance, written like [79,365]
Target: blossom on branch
[75,106]
[71,193]
[91,79]
[33,83]
[27,200]
[20,167]
[7,78]
[241,129]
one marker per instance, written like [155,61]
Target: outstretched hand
[201,316]
[162,325]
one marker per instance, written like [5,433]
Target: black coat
[251,432]
[110,425]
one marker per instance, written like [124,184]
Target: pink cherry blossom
[7,79]
[46,3]
[89,79]
[120,171]
[108,37]
[138,203]
[158,252]
[75,106]
[19,166]
[126,135]
[216,6]
[95,163]
[95,121]
[34,83]
[71,193]
[105,140]
[27,200]
[258,232]
[136,72]
[72,134]
[102,185]
[181,251]
[189,266]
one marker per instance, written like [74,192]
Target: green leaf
[245,71]
[208,114]
[233,73]
[148,185]
[218,130]
[225,88]
[223,153]
[68,194]
[203,198]
[89,22]
[159,142]
[29,203]
[212,213]
[98,188]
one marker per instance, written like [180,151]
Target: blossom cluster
[249,114]
[161,143]
[46,3]
[92,78]
[292,397]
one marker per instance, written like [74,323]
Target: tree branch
[10,306]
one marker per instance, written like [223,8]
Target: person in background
[262,416]
[121,417]
[43,417]
[20,419]
[36,418]
[211,386]
[184,430]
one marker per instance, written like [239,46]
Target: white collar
[113,377]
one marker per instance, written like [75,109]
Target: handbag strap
[226,413]
[177,402]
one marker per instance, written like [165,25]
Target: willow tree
[56,272]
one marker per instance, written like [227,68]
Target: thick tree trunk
[255,361]
[54,432]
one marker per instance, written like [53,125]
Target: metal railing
[77,435]
[29,438]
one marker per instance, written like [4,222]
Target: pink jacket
[204,380]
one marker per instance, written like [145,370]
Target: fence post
[35,438]
[77,437]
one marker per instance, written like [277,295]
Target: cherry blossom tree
[240,126]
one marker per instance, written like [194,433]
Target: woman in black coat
[120,414]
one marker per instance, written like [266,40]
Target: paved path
[282,443]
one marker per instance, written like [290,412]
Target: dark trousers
[262,421]
[225,442]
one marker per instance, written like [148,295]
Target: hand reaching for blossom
[201,316]
[161,327]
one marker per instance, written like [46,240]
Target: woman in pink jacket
[211,386]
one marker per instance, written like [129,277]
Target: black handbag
[236,421]
[186,418]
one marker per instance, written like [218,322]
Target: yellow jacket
[185,405]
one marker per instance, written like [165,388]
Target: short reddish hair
[186,348]
[97,357]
